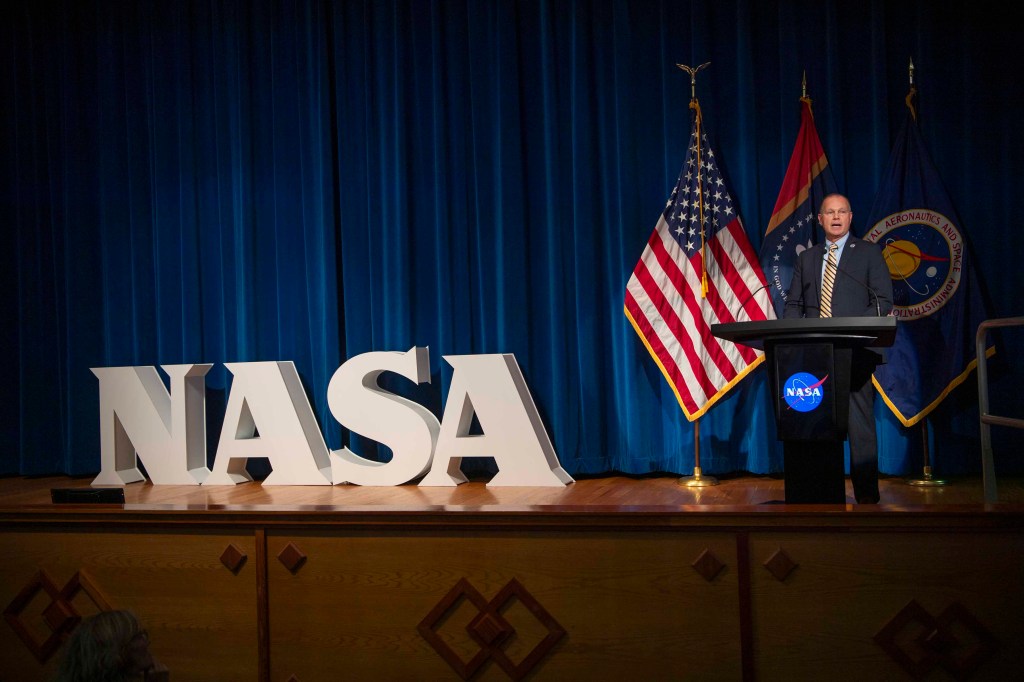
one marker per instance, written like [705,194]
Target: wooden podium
[810,361]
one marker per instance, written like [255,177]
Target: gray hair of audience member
[110,646]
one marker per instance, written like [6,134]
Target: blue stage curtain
[220,181]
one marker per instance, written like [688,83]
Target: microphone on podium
[752,294]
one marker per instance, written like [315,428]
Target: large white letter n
[167,430]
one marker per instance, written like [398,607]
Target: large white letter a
[493,388]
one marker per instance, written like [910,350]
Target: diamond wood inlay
[81,582]
[489,629]
[59,616]
[428,628]
[513,591]
[780,565]
[233,558]
[44,649]
[954,640]
[707,565]
[291,557]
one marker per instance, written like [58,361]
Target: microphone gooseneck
[751,295]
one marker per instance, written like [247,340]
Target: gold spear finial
[913,91]
[693,77]
[803,86]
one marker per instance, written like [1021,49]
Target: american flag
[699,238]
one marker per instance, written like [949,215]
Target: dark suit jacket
[862,277]
[861,272]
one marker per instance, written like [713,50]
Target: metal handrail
[988,470]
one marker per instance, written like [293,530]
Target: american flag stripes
[698,269]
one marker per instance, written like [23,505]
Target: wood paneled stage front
[609,578]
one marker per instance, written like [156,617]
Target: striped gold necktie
[828,282]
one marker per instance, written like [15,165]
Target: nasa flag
[936,295]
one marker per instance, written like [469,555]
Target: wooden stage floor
[609,578]
[612,492]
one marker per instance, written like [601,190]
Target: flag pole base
[698,480]
[927,481]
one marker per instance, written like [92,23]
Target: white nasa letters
[268,415]
[492,387]
[268,398]
[166,430]
[408,428]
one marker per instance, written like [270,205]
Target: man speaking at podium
[846,277]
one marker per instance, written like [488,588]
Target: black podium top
[851,331]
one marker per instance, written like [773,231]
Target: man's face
[835,217]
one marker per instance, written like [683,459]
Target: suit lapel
[818,261]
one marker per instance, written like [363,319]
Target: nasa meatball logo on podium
[803,391]
[924,252]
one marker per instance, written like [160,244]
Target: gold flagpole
[926,479]
[698,480]
[913,90]
[695,105]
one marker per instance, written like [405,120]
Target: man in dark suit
[861,287]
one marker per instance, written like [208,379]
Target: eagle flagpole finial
[693,76]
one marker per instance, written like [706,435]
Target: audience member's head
[110,646]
